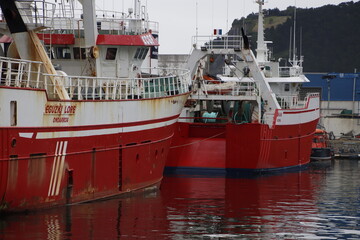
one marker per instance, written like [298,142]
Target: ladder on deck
[67,8]
[67,12]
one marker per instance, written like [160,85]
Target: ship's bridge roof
[128,40]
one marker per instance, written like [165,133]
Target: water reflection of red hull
[185,207]
[129,218]
[236,206]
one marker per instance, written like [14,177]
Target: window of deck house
[79,53]
[111,53]
[141,53]
[63,53]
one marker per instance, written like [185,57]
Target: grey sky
[177,18]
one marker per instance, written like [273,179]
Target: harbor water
[321,202]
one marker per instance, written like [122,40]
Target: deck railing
[62,17]
[290,71]
[218,42]
[108,22]
[96,88]
[289,102]
[29,74]
[37,12]
[232,88]
[20,73]
[293,101]
[105,26]
[246,89]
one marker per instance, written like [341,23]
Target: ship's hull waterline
[73,151]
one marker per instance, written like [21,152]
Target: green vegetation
[330,35]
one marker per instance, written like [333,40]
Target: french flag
[217,31]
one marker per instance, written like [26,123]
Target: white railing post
[1,72]
[106,90]
[126,89]
[45,82]
[93,89]
[78,90]
[172,91]
[114,86]
[86,88]
[28,75]
[8,74]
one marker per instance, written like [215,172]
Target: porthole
[13,142]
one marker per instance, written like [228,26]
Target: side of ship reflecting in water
[256,206]
[320,202]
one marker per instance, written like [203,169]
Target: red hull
[249,147]
[93,167]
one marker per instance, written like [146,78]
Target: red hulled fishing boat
[249,118]
[80,119]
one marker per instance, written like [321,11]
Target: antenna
[294,49]
[290,43]
[197,26]
[244,16]
[212,15]
[227,15]
[301,56]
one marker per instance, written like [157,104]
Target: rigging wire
[212,15]
[227,15]
[197,23]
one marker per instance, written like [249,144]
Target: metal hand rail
[166,82]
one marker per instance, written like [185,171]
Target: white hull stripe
[293,119]
[58,168]
[26,135]
[98,132]
[53,168]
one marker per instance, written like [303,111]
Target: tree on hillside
[330,35]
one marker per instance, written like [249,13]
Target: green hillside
[330,35]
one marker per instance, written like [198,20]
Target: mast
[295,61]
[90,27]
[261,44]
[294,48]
[197,21]
[137,5]
[90,31]
[269,97]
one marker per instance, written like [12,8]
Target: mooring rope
[188,144]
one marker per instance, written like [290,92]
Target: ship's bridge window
[111,53]
[287,87]
[141,53]
[50,51]
[79,53]
[63,53]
